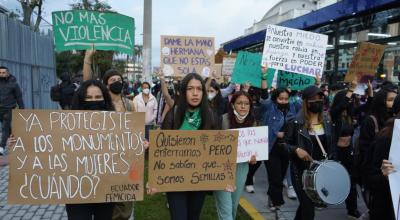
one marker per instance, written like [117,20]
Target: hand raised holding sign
[150,190]
[11,141]
[253,160]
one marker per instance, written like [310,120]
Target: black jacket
[10,94]
[298,136]
[381,206]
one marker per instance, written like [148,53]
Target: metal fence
[30,58]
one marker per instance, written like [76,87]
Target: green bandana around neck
[192,120]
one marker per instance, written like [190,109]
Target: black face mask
[116,87]
[3,78]
[94,105]
[282,107]
[389,111]
[316,107]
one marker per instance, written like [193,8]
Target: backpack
[55,93]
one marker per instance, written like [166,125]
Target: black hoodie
[10,94]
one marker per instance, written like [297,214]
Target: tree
[28,7]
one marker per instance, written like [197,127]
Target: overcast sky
[222,19]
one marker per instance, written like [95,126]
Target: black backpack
[55,93]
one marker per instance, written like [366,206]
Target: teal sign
[247,69]
[285,79]
[81,30]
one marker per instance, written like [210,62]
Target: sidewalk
[15,212]
[257,206]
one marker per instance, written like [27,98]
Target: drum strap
[320,145]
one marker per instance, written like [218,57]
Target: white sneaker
[291,193]
[250,189]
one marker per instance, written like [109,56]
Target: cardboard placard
[364,62]
[81,30]
[294,50]
[247,69]
[66,157]
[252,141]
[192,160]
[228,63]
[181,55]
[394,178]
[285,79]
[218,73]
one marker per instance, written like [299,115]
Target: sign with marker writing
[81,30]
[285,79]
[364,62]
[192,160]
[247,69]
[252,141]
[76,157]
[294,50]
[228,63]
[181,55]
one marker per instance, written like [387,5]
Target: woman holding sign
[240,115]
[191,112]
[379,168]
[91,95]
[278,111]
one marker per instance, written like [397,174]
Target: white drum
[326,182]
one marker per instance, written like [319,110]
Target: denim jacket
[275,119]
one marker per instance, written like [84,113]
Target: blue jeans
[228,202]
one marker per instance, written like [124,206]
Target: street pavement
[31,212]
[259,201]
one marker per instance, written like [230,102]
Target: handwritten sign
[80,29]
[192,160]
[252,141]
[364,62]
[76,157]
[247,69]
[286,79]
[228,63]
[394,178]
[181,55]
[294,50]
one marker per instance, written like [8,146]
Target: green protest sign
[247,69]
[285,79]
[80,29]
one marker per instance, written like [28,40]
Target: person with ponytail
[240,115]
[308,128]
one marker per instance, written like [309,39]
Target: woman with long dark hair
[379,167]
[302,141]
[381,111]
[341,111]
[240,115]
[91,95]
[191,112]
[217,103]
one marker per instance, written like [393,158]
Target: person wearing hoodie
[10,97]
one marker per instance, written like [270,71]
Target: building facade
[346,22]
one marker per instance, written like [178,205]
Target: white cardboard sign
[252,141]
[294,50]
[394,178]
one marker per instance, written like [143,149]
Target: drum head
[332,182]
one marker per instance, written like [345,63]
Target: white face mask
[239,117]
[211,96]
[146,91]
